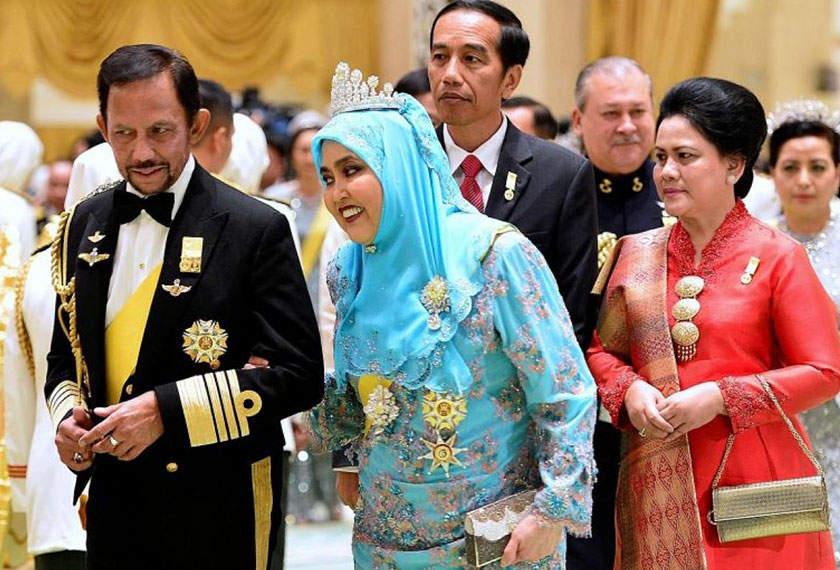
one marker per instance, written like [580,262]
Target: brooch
[176,288]
[750,270]
[205,341]
[94,257]
[96,237]
[435,299]
[443,453]
[381,409]
[444,412]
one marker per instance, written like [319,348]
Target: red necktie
[469,187]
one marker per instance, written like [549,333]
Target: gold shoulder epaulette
[610,247]
[100,189]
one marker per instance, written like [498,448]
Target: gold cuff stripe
[227,403]
[197,412]
[263,503]
[215,409]
[63,399]
[216,403]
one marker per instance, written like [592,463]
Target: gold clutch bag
[488,528]
[787,506]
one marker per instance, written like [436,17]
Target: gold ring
[643,432]
[78,458]
[113,440]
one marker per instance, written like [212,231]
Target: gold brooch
[176,288]
[205,341]
[605,186]
[637,184]
[444,412]
[94,257]
[381,409]
[685,333]
[443,453]
[435,299]
[96,237]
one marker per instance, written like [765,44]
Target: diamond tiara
[350,93]
[801,111]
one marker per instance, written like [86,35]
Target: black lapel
[92,288]
[198,216]
[515,155]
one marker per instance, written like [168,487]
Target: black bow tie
[127,206]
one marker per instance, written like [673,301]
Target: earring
[731,180]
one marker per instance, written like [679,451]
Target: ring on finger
[78,458]
[643,432]
[113,440]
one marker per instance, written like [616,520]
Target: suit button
[172,467]
[129,388]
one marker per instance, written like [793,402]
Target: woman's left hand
[692,408]
[531,540]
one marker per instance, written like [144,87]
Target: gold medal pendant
[205,341]
[685,333]
[444,412]
[443,454]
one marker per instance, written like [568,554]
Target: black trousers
[63,560]
[598,552]
[216,515]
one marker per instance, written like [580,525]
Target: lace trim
[612,396]
[743,404]
[682,249]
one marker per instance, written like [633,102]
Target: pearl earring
[731,179]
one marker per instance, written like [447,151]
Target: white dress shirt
[140,247]
[487,153]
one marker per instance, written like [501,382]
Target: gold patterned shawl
[657,517]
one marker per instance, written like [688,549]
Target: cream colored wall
[774,47]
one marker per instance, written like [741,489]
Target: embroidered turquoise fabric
[426,230]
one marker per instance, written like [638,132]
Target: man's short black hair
[144,61]
[217,100]
[513,44]
[414,83]
[545,124]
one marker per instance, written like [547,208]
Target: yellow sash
[311,248]
[124,335]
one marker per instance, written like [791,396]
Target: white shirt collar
[178,188]
[487,153]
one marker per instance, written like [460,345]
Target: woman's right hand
[641,401]
[347,486]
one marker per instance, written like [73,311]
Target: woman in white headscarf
[20,154]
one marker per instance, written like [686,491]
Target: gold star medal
[442,411]
[191,254]
[205,341]
[443,453]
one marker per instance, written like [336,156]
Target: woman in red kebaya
[691,314]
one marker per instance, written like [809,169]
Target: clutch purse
[786,506]
[488,528]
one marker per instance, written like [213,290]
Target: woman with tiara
[458,380]
[805,157]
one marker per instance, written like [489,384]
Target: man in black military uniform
[169,282]
[613,115]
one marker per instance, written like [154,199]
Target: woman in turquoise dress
[458,379]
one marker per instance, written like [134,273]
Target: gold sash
[657,517]
[310,250]
[124,335]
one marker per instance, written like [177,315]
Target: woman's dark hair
[728,115]
[513,45]
[143,61]
[799,129]
[414,83]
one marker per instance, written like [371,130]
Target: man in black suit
[478,51]
[169,282]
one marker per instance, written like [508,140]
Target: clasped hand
[125,432]
[656,416]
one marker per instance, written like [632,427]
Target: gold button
[142,266]
[172,467]
[129,388]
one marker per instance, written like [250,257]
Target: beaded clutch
[787,506]
[488,528]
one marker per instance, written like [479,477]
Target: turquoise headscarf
[388,301]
